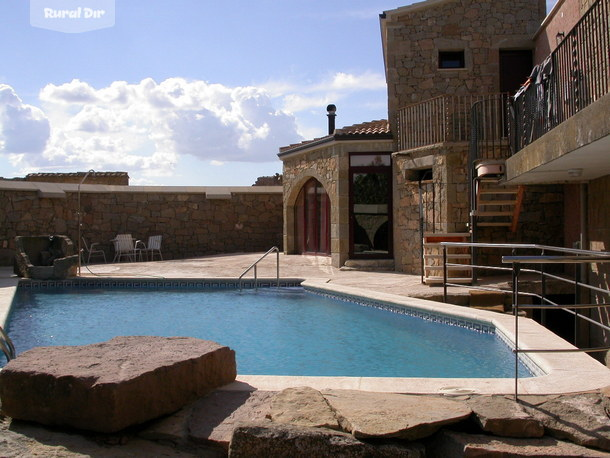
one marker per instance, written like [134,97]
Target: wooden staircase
[497,206]
[433,258]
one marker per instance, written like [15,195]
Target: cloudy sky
[185,92]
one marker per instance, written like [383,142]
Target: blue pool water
[274,332]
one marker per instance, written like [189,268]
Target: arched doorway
[312,219]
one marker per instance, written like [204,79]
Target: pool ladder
[6,345]
[254,264]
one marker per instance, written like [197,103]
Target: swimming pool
[288,331]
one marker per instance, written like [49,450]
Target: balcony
[559,128]
[480,120]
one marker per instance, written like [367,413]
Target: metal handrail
[254,264]
[574,256]
[6,345]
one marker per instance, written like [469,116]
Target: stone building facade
[442,57]
[417,38]
[327,160]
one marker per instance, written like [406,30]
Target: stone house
[497,131]
[441,56]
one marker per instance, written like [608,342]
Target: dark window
[451,59]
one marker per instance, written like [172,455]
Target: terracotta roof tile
[378,127]
[363,130]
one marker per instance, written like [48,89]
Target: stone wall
[193,221]
[446,206]
[413,36]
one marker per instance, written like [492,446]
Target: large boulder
[504,417]
[456,445]
[388,415]
[303,406]
[109,386]
[252,440]
[580,418]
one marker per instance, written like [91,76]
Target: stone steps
[369,265]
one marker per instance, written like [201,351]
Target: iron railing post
[516,270]
[445,274]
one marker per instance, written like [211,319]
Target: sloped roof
[372,130]
[377,128]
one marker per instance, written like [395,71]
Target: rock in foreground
[109,386]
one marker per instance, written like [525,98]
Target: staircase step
[498,191]
[448,268]
[493,224]
[493,213]
[497,202]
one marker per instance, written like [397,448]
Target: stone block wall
[413,36]
[193,221]
[445,198]
[446,206]
[324,165]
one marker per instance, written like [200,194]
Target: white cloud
[24,129]
[333,88]
[144,127]
[365,81]
[148,127]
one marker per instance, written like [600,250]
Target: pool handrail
[6,345]
[255,263]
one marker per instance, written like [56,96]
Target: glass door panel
[370,217]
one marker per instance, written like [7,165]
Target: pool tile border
[156,283]
[451,320]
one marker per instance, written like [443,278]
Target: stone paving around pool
[307,422]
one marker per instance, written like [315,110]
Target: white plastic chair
[93,251]
[124,245]
[149,249]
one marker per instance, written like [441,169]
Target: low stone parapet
[109,386]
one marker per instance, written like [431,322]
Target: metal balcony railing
[448,119]
[536,264]
[574,76]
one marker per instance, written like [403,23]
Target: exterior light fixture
[559,37]
[574,173]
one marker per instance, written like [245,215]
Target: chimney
[331,109]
